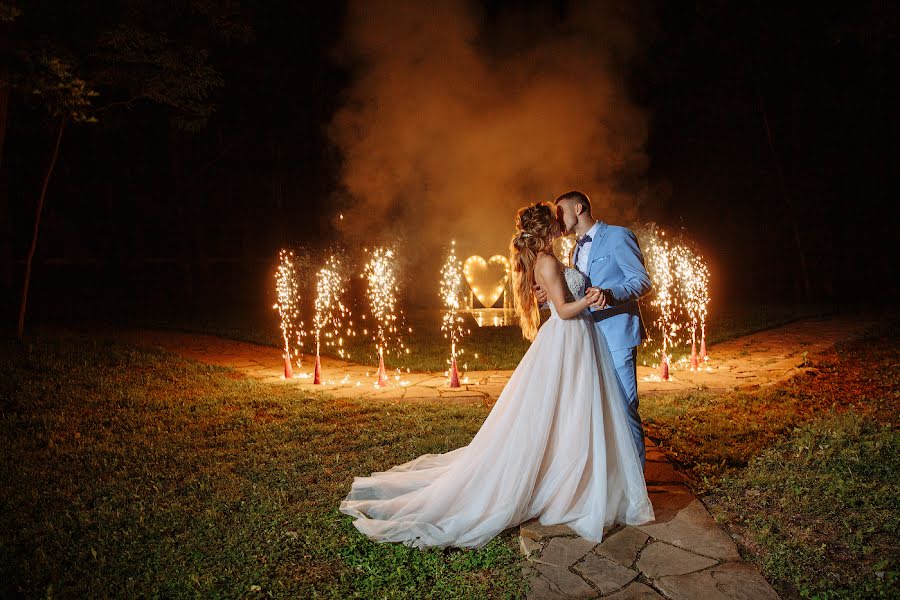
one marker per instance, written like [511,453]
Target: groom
[610,257]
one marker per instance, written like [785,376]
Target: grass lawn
[496,347]
[807,473]
[134,473]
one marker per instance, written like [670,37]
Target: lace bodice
[576,284]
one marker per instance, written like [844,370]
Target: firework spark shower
[287,289]
[331,312]
[381,277]
[676,311]
[452,322]
[693,286]
[680,297]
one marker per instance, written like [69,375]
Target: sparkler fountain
[693,281]
[680,292]
[659,262]
[451,289]
[702,295]
[330,309]
[381,275]
[287,288]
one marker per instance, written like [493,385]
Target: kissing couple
[564,442]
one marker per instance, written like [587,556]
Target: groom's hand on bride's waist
[539,294]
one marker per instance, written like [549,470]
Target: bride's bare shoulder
[547,264]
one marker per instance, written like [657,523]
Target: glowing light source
[487,278]
[287,294]
[381,274]
[680,292]
[452,323]
[693,281]
[330,309]
[563,247]
[659,267]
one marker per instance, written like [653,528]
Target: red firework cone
[694,364]
[317,378]
[454,374]
[664,368]
[703,355]
[288,371]
[382,375]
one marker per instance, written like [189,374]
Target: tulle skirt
[556,445]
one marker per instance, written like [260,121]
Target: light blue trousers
[625,361]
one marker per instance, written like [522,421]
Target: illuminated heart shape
[487,278]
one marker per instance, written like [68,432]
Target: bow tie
[583,240]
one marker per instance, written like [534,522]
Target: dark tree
[139,56]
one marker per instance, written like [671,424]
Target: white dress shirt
[582,253]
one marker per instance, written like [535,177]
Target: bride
[556,445]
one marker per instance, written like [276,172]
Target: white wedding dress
[556,445]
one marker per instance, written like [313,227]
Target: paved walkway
[760,359]
[684,554]
[750,362]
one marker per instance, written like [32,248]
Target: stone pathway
[683,554]
[750,362]
[757,360]
[340,378]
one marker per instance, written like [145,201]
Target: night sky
[765,130]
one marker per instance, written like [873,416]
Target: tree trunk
[37,223]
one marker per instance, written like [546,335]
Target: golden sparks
[381,275]
[451,295]
[287,293]
[331,312]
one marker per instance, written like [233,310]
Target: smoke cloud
[454,119]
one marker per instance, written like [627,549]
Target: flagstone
[536,531]
[564,551]
[538,586]
[661,472]
[541,589]
[528,546]
[635,591]
[491,390]
[729,581]
[607,575]
[655,456]
[623,546]
[565,582]
[422,392]
[694,529]
[659,559]
[668,500]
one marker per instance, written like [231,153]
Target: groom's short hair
[578,198]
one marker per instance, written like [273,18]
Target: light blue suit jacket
[615,263]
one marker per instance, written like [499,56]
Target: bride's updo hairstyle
[536,226]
